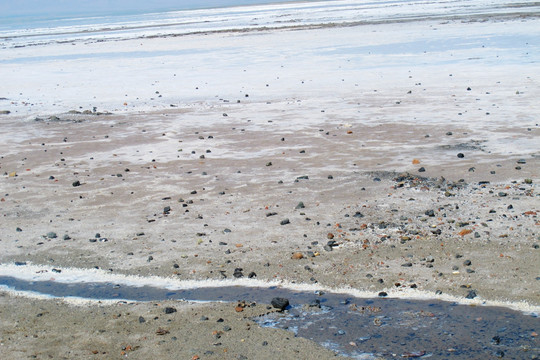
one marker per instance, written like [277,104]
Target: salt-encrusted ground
[232,130]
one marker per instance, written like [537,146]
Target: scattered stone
[161,331]
[76,183]
[408,264]
[169,310]
[422,169]
[358,214]
[285,222]
[238,273]
[460,155]
[141,320]
[280,303]
[471,295]
[20,263]
[383,294]
[51,235]
[297,256]
[300,205]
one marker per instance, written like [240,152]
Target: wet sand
[197,190]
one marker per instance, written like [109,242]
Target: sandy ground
[198,190]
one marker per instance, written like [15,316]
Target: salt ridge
[32,272]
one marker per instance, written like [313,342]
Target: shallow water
[355,327]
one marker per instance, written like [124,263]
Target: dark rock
[467,262]
[502,194]
[252,274]
[471,295]
[460,155]
[141,320]
[285,222]
[422,169]
[238,273]
[280,303]
[407,264]
[332,243]
[67,237]
[327,248]
[169,310]
[300,205]
[383,294]
[166,209]
[18,229]
[430,213]
[521,161]
[20,263]
[358,214]
[76,183]
[51,235]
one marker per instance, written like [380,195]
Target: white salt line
[31,272]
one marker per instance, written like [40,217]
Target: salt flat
[231,127]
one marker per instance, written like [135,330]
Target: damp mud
[365,328]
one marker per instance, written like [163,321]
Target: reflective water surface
[355,327]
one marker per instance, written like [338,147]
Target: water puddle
[363,328]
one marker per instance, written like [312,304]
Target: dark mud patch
[354,327]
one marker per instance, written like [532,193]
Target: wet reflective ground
[355,327]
